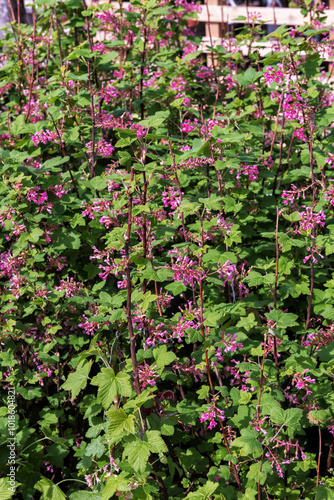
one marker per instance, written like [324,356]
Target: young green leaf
[78,380]
[110,385]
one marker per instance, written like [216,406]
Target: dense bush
[166,257]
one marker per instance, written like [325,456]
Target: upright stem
[143,57]
[319,456]
[210,35]
[18,14]
[277,258]
[59,40]
[91,49]
[309,305]
[48,51]
[282,174]
[64,154]
[207,363]
[276,124]
[128,287]
[276,279]
[258,408]
[144,217]
[92,171]
[258,411]
[179,188]
[33,67]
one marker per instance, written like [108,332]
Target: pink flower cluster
[329,195]
[110,93]
[230,343]
[16,283]
[208,126]
[272,75]
[112,466]
[70,287]
[158,334]
[205,74]
[289,196]
[212,415]
[147,375]
[238,379]
[98,205]
[310,220]
[299,381]
[252,172]
[36,197]
[292,106]
[299,133]
[287,445]
[177,84]
[107,121]
[10,265]
[190,318]
[171,197]
[227,271]
[330,159]
[100,47]
[89,327]
[189,125]
[44,137]
[58,190]
[102,148]
[312,251]
[224,225]
[140,131]
[189,367]
[320,338]
[185,269]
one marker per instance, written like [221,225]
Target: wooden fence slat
[264,48]
[213,29]
[223,13]
[291,17]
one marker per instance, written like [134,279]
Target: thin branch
[93,119]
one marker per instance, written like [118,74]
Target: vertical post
[331,37]
[212,30]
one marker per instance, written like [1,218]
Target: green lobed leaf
[120,422]
[7,490]
[78,380]
[248,443]
[110,386]
[49,490]
[282,320]
[137,452]
[155,442]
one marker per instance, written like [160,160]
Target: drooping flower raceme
[212,415]
[309,220]
[102,148]
[272,75]
[45,136]
[147,375]
[185,269]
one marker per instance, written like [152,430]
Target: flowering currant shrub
[166,258]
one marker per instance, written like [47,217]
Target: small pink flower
[102,148]
[271,76]
[212,414]
[44,137]
[147,375]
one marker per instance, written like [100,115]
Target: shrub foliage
[166,256]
